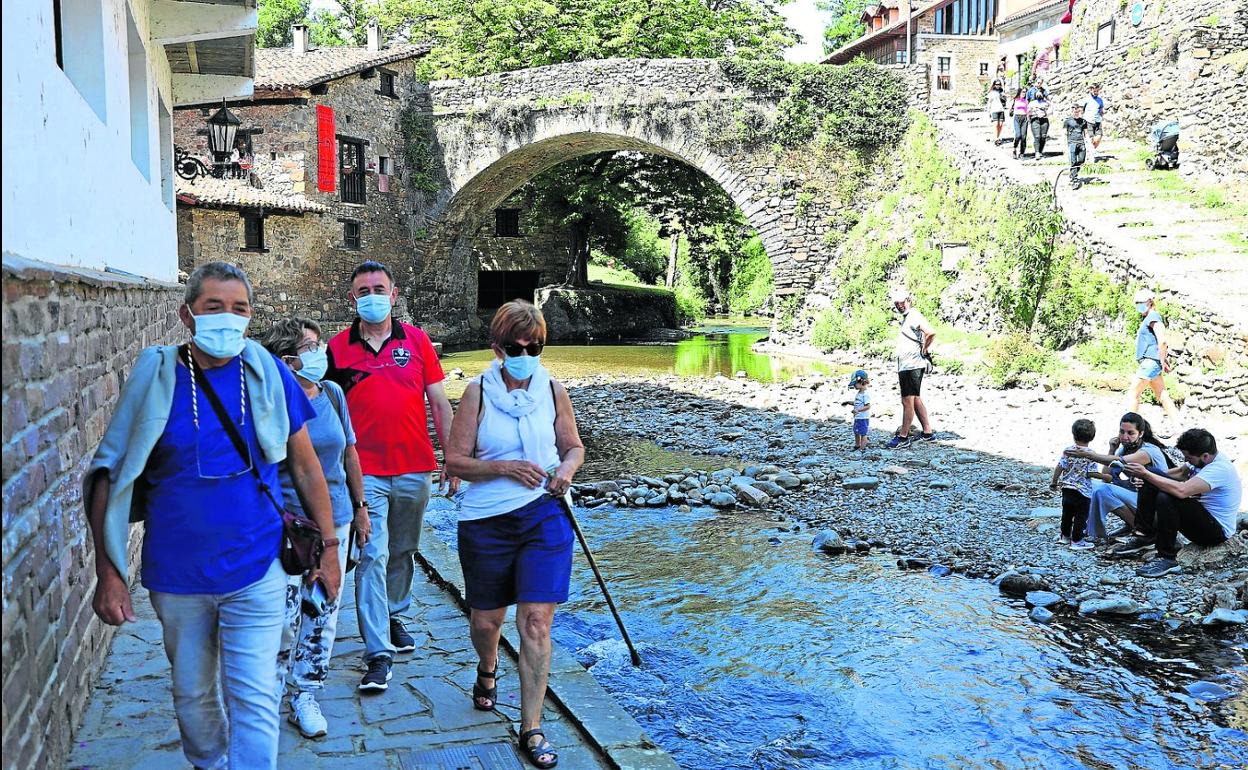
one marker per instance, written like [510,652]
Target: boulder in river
[787,480]
[770,487]
[748,494]
[1223,616]
[1040,615]
[722,500]
[830,541]
[1020,585]
[1043,599]
[1110,605]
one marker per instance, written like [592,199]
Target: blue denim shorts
[521,556]
[861,427]
[1150,369]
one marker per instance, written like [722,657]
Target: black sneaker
[1158,567]
[378,677]
[927,436]
[1122,531]
[400,638]
[1135,545]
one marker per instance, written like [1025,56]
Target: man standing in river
[388,369]
[914,338]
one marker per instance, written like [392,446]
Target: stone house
[90,253]
[956,39]
[1027,26]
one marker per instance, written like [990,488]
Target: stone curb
[606,726]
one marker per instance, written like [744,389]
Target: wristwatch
[361,504]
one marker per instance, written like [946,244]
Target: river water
[761,653]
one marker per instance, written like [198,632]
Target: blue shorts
[1150,369]
[521,556]
[861,427]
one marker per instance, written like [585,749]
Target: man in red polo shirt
[388,369]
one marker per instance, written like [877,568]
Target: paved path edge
[603,722]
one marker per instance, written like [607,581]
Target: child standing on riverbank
[862,408]
[1071,474]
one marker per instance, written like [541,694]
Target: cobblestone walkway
[130,722]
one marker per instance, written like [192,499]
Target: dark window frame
[386,82]
[1112,24]
[507,223]
[57,31]
[353,241]
[253,231]
[351,186]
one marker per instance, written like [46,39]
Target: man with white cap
[913,340]
[1151,353]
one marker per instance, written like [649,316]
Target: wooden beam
[192,56]
[209,89]
[174,22]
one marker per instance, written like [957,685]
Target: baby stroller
[1165,146]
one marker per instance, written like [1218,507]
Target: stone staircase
[1152,227]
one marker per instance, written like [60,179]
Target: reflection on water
[762,655]
[723,349]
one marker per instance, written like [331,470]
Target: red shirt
[386,397]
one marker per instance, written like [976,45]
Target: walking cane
[576,527]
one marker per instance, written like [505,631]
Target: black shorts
[1094,129]
[911,382]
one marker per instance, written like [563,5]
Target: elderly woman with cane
[515,439]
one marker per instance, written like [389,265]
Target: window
[983,69]
[385,85]
[507,223]
[253,231]
[351,170]
[78,27]
[385,167]
[140,131]
[1105,35]
[351,235]
[944,74]
[497,287]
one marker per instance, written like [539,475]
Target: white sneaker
[305,713]
[1082,545]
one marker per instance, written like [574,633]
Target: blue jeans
[308,643]
[1105,498]
[230,639]
[383,578]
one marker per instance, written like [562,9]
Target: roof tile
[237,193]
[282,69]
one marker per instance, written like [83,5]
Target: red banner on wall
[326,150]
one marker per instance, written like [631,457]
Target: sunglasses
[513,349]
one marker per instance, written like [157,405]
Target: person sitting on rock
[1199,498]
[1072,474]
[1136,444]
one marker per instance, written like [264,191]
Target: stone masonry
[70,336]
[498,131]
[1188,60]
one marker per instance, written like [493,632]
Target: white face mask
[1142,307]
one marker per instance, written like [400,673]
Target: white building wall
[72,192]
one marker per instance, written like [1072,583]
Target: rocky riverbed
[976,501]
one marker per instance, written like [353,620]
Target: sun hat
[898,294]
[1144,294]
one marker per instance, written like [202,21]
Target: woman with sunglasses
[515,439]
[311,623]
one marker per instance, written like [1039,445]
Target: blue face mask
[521,367]
[373,308]
[315,364]
[220,335]
[1142,307]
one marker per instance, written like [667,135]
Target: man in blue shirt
[1200,498]
[211,539]
[1151,356]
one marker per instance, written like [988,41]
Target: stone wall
[1188,60]
[576,314]
[70,336]
[966,52]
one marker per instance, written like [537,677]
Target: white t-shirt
[862,399]
[910,341]
[1092,109]
[1225,492]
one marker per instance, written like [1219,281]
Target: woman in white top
[515,440]
[996,107]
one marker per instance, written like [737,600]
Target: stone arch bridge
[494,133]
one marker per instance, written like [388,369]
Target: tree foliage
[845,22]
[275,18]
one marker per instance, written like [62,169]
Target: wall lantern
[222,128]
[222,131]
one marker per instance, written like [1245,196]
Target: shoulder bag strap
[235,437]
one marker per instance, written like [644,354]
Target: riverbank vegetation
[1035,307]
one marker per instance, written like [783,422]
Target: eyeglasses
[514,349]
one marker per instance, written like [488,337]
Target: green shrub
[830,332]
[1107,354]
[1015,359]
[752,279]
[690,304]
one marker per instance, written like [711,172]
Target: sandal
[542,747]
[480,693]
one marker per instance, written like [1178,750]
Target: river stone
[723,475]
[1207,691]
[940,570]
[914,562]
[732,435]
[1040,615]
[673,478]
[719,451]
[939,484]
[650,481]
[676,495]
[1223,616]
[771,488]
[1110,605]
[1043,599]
[694,499]
[829,541]
[690,484]
[1088,595]
[808,462]
[787,480]
[861,482]
[722,500]
[606,488]
[1045,513]
[893,470]
[749,495]
[769,470]
[658,500]
[1020,585]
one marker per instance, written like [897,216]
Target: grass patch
[1238,240]
[1213,199]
